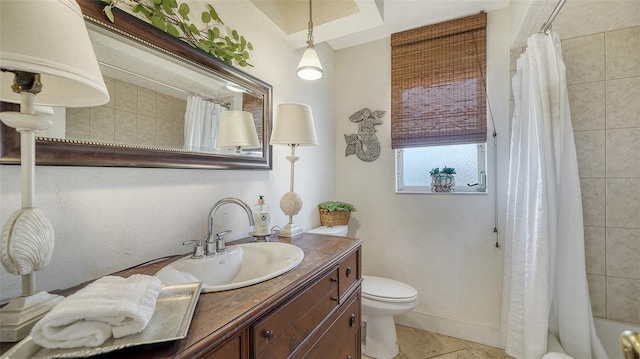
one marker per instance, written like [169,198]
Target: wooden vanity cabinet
[312,312]
[323,319]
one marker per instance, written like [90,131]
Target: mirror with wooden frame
[153,78]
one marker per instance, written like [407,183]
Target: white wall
[107,219]
[443,245]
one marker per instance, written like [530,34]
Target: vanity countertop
[220,315]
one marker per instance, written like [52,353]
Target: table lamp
[47,59]
[237,130]
[293,127]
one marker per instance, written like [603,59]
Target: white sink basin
[240,266]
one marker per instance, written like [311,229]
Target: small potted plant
[335,213]
[443,180]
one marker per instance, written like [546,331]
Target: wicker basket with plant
[334,213]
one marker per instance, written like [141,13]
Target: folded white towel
[109,306]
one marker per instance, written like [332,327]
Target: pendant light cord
[310,38]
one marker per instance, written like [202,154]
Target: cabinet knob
[349,357]
[268,334]
[333,279]
[352,320]
[335,299]
[348,271]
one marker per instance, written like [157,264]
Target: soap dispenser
[262,217]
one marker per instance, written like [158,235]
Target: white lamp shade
[237,129]
[309,67]
[49,37]
[294,125]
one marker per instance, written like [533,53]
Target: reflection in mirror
[166,102]
[155,102]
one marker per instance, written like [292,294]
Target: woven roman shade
[437,84]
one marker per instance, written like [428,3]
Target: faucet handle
[198,252]
[221,246]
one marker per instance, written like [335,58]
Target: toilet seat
[387,290]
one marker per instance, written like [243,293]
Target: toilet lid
[385,289]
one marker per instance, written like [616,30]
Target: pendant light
[310,67]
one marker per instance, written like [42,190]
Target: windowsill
[454,193]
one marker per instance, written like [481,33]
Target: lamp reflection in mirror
[293,127]
[310,67]
[237,130]
[46,59]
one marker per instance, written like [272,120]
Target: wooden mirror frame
[51,151]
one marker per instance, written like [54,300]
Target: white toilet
[382,299]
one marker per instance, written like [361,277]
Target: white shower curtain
[545,284]
[201,124]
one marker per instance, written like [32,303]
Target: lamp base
[22,313]
[290,230]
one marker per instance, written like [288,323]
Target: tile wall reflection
[134,116]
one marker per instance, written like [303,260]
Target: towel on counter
[109,306]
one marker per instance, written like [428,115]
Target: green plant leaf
[234,33]
[109,13]
[250,46]
[157,2]
[194,29]
[206,18]
[173,30]
[183,9]
[166,7]
[204,47]
[214,14]
[172,3]
[158,22]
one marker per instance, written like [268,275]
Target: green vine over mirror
[173,18]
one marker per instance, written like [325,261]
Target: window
[438,103]
[413,166]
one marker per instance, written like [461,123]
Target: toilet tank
[340,231]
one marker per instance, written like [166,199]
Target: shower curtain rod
[226,105]
[547,25]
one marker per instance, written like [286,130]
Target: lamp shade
[309,67]
[294,125]
[237,129]
[50,38]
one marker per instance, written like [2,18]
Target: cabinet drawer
[234,348]
[349,273]
[342,338]
[279,333]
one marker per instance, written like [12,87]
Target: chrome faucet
[215,243]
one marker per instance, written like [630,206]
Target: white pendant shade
[310,67]
[237,129]
[50,38]
[294,125]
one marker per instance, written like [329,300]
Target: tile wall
[603,76]
[134,115]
